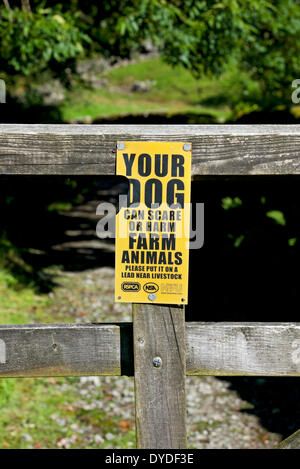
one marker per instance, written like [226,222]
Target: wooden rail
[219,349]
[66,350]
[159,348]
[91,149]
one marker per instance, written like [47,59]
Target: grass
[23,306]
[52,412]
[173,90]
[47,413]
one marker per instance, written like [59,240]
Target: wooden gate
[199,348]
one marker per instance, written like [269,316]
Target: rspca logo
[151,287]
[131,286]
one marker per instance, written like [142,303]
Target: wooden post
[159,332]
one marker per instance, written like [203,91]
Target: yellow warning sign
[152,226]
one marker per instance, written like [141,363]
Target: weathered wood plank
[292,442]
[90,149]
[63,350]
[159,391]
[224,349]
[220,349]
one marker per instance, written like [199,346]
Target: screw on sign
[157,362]
[152,297]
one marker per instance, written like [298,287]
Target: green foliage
[259,37]
[229,202]
[174,90]
[277,216]
[292,241]
[32,42]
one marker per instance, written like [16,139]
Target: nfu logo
[151,287]
[2,92]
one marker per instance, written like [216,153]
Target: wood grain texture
[220,349]
[292,442]
[91,149]
[225,349]
[62,350]
[160,392]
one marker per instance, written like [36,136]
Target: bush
[33,42]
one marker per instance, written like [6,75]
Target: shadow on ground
[16,112]
[46,233]
[275,401]
[247,270]
[19,112]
